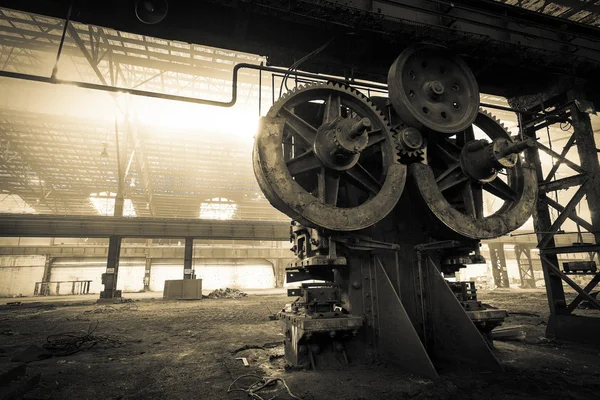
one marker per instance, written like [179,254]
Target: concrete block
[183,289]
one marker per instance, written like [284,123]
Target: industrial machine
[386,197]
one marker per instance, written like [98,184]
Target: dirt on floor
[151,349]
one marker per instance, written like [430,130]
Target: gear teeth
[335,85]
[496,119]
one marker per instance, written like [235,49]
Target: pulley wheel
[324,155]
[433,90]
[454,195]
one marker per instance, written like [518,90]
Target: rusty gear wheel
[432,89]
[324,155]
[409,144]
[458,171]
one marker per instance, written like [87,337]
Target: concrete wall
[18,274]
[131,272]
[216,273]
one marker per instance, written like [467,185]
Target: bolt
[436,88]
[339,347]
[356,285]
[332,334]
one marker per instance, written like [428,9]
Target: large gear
[433,90]
[325,156]
[459,169]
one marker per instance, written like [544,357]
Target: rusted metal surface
[445,173]
[433,89]
[307,185]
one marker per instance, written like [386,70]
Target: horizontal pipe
[164,96]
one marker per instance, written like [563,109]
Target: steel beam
[498,260]
[188,258]
[39,225]
[542,223]
[523,256]
[573,217]
[494,36]
[109,278]
[588,156]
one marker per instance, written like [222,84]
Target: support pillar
[43,289]
[188,255]
[523,256]
[147,269]
[542,223]
[109,278]
[147,273]
[588,156]
[498,259]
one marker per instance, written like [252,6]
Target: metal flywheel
[324,155]
[433,90]
[461,168]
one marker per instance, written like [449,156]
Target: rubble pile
[226,293]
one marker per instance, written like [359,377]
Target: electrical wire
[67,343]
[259,385]
[296,64]
[62,40]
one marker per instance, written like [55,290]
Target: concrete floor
[190,350]
[133,296]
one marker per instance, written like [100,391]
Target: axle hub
[338,143]
[481,160]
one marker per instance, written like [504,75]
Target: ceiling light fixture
[104,153]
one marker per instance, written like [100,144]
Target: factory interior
[303,199]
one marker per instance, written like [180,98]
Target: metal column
[498,259]
[588,155]
[542,223]
[147,273]
[188,269]
[109,278]
[563,324]
[523,256]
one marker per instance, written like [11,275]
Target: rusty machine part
[336,163]
[325,156]
[460,168]
[431,89]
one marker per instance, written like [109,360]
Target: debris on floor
[67,343]
[269,345]
[244,360]
[105,309]
[264,384]
[514,333]
[226,293]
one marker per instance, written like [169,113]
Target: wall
[131,272]
[18,274]
[216,273]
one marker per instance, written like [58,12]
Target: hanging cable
[62,41]
[296,64]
